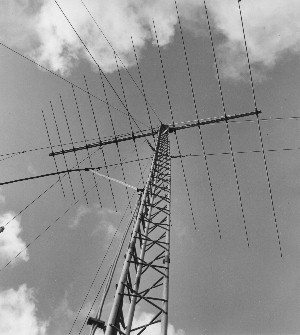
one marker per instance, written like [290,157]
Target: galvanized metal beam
[149,250]
[152,132]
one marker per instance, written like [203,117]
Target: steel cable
[57,219]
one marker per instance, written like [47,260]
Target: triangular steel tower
[149,246]
[148,251]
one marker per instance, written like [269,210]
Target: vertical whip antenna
[176,137]
[227,126]
[260,132]
[98,133]
[85,141]
[130,123]
[51,147]
[197,115]
[71,139]
[114,131]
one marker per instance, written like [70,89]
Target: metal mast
[145,274]
[149,247]
[148,251]
[144,278]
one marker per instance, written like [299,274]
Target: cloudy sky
[217,286]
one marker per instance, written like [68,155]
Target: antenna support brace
[93,321]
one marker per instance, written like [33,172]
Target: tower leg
[146,268]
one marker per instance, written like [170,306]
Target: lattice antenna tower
[144,278]
[149,246]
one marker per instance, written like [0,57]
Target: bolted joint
[133,136]
[116,141]
[98,323]
[153,132]
[257,111]
[166,259]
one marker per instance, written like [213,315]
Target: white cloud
[41,31]
[10,241]
[272,28]
[107,222]
[80,213]
[31,169]
[63,310]
[141,318]
[62,317]
[18,22]
[105,219]
[18,313]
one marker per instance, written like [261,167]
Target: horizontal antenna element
[150,132]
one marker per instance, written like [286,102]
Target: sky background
[217,286]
